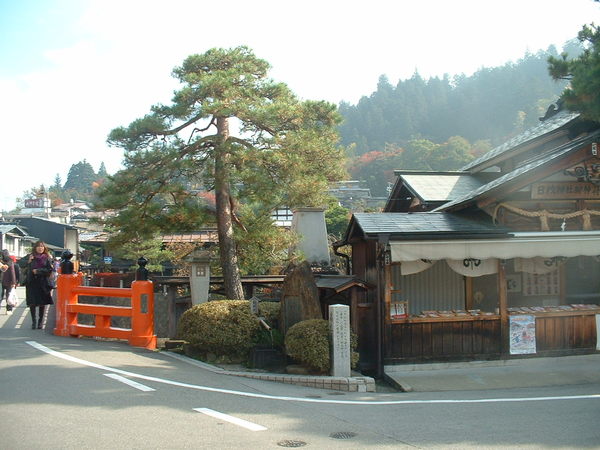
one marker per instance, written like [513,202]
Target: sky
[72,70]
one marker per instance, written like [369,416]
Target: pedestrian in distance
[38,267]
[10,278]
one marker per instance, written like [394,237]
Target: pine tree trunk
[231,274]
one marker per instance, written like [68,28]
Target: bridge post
[142,315]
[65,285]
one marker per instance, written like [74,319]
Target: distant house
[58,236]
[98,239]
[352,196]
[14,239]
[71,212]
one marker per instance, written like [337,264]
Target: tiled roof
[338,282]
[523,170]
[419,224]
[553,123]
[440,187]
[199,236]
[9,228]
[93,236]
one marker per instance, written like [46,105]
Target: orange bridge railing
[68,290]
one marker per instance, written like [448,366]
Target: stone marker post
[339,326]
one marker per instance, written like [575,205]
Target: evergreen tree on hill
[102,173]
[583,73]
[81,178]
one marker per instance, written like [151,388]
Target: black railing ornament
[66,265]
[142,273]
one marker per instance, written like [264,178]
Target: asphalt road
[68,393]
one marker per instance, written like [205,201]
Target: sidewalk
[354,383]
[504,374]
[466,376]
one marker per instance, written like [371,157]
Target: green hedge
[308,342]
[222,327]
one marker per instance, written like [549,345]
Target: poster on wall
[513,282]
[597,334]
[399,310]
[522,334]
[541,284]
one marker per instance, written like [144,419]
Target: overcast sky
[72,70]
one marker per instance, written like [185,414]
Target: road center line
[231,419]
[135,384]
[66,357]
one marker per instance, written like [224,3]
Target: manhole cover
[291,443]
[342,435]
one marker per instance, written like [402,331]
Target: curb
[347,384]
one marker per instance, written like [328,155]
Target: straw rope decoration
[545,215]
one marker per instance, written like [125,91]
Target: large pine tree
[246,137]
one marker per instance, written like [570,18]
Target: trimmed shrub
[222,327]
[308,342]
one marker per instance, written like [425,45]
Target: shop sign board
[564,191]
[34,202]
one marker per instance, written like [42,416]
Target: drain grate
[290,443]
[342,435]
[313,396]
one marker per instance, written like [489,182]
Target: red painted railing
[69,288]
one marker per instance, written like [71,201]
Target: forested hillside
[441,123]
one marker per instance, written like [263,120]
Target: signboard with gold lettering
[564,191]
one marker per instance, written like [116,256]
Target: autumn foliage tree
[245,137]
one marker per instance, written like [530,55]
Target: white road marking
[135,384]
[301,399]
[231,419]
[24,314]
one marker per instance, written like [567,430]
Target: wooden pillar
[387,293]
[383,297]
[502,306]
[562,274]
[468,293]
[354,308]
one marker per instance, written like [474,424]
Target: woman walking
[10,278]
[38,265]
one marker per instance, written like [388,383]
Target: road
[68,393]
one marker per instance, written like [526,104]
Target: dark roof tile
[419,224]
[547,126]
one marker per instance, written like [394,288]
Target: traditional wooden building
[498,259]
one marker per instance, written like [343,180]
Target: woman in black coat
[10,278]
[38,266]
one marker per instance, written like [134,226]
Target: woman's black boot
[41,317]
[32,311]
